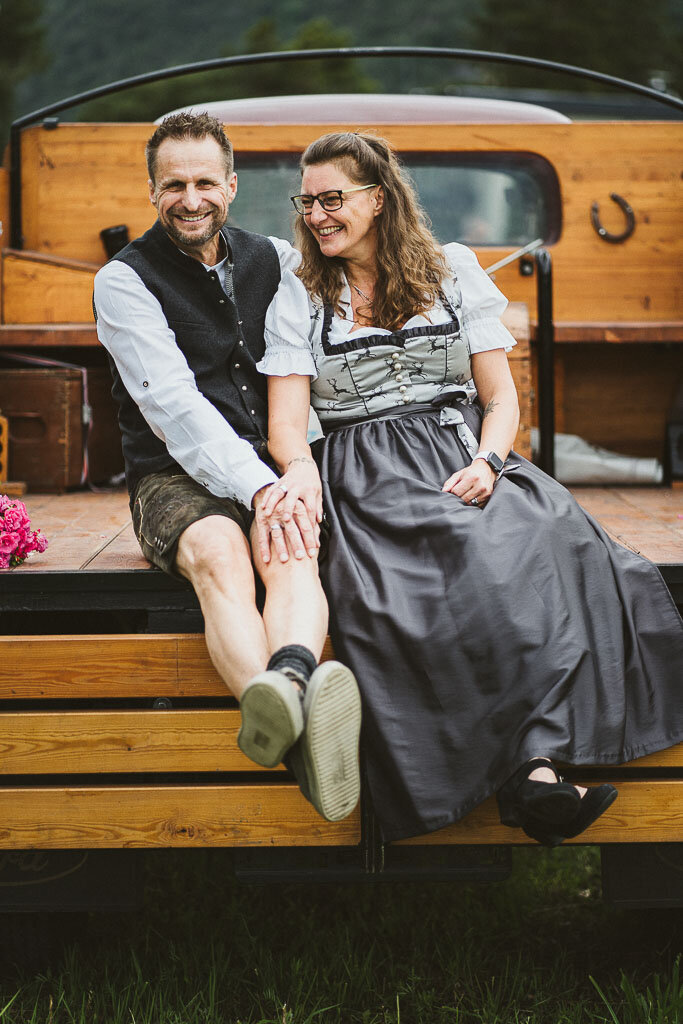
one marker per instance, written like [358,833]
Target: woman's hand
[300,482]
[474,484]
[290,533]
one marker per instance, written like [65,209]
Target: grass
[539,948]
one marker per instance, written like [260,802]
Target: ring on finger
[474,501]
[274,527]
[281,487]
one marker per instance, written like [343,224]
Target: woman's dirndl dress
[480,637]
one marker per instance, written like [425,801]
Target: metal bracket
[608,236]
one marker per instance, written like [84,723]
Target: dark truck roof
[376,108]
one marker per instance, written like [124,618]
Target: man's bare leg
[214,555]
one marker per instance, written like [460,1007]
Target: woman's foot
[546,808]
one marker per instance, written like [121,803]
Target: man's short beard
[195,241]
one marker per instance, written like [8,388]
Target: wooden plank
[123,665]
[36,743]
[86,817]
[197,740]
[644,812]
[48,336]
[110,665]
[35,291]
[615,333]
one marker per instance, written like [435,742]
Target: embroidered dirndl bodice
[369,375]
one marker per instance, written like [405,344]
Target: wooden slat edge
[61,742]
[644,812]
[166,816]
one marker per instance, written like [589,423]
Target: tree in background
[22,51]
[626,38]
[147,102]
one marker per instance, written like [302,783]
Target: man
[181,311]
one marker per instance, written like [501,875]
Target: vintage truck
[115,732]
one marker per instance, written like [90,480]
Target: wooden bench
[119,740]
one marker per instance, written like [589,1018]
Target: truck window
[495,199]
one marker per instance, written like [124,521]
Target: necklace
[362,294]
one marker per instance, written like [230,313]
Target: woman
[490,622]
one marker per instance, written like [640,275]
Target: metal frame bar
[545,338]
[429,52]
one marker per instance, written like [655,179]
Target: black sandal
[593,804]
[522,797]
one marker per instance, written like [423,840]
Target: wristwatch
[494,461]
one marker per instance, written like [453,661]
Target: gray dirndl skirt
[482,637]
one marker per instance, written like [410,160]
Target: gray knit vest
[208,328]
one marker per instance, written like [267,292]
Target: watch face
[495,462]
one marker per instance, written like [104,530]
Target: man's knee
[214,548]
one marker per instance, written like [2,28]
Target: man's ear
[152,191]
[379,201]
[232,187]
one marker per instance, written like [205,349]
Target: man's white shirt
[132,327]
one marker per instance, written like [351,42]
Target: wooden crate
[45,412]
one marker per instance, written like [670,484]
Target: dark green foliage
[22,50]
[148,102]
[626,38]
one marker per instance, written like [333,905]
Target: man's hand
[287,532]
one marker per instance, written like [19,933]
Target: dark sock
[294,659]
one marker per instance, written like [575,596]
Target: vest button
[221,302]
[244,387]
[237,366]
[241,344]
[253,412]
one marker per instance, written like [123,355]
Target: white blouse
[288,320]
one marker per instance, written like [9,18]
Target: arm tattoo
[489,408]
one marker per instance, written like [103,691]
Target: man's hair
[188,125]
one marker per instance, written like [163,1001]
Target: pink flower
[17,540]
[9,542]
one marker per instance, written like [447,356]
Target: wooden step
[169,740]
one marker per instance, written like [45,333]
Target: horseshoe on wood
[606,235]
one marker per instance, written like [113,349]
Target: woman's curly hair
[410,263]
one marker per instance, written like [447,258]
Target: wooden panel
[620,400]
[516,319]
[644,812]
[35,291]
[593,281]
[174,816]
[126,665]
[121,741]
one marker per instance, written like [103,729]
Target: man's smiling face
[192,193]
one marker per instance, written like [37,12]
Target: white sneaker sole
[272,718]
[326,757]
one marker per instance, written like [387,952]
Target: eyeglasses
[330,200]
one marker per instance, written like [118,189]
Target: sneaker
[325,758]
[272,718]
